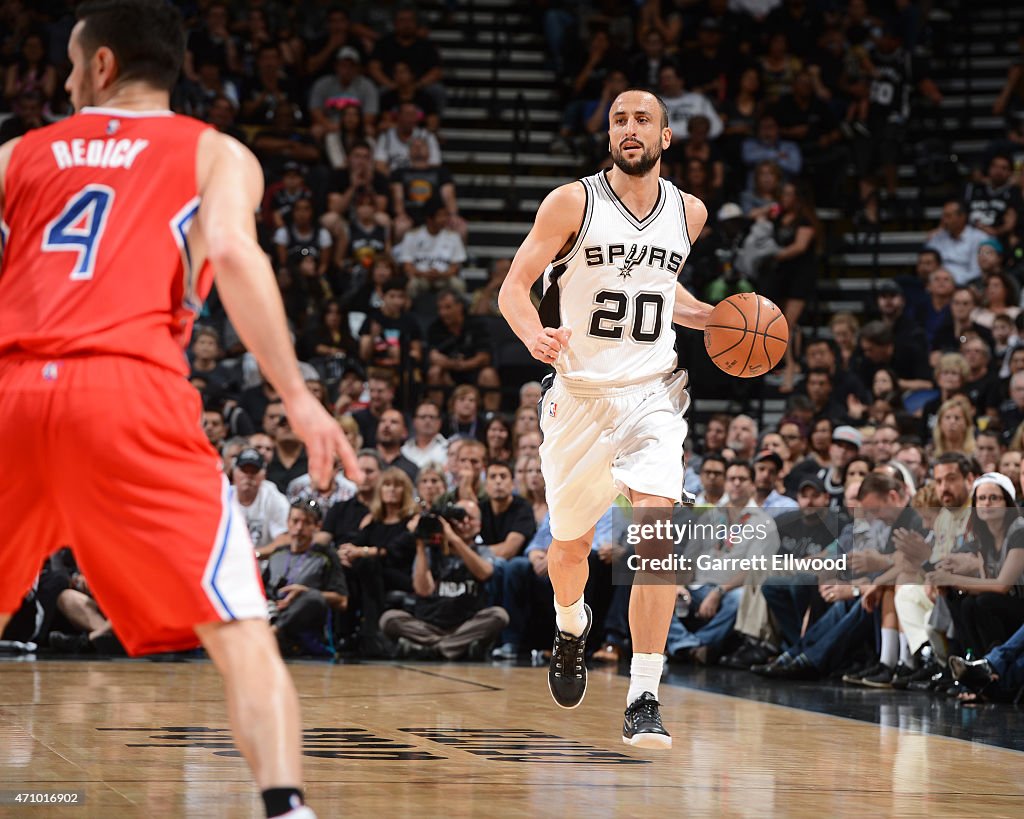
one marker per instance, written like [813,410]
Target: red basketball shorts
[105,454]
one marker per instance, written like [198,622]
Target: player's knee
[568,553]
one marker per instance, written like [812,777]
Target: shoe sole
[657,742]
[887,684]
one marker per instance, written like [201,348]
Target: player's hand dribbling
[324,440]
[549,342]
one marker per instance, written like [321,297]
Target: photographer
[303,583]
[449,572]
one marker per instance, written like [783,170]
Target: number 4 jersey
[616,288]
[96,259]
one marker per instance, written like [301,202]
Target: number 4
[79,228]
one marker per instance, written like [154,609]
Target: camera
[429,526]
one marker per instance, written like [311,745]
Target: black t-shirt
[987,206]
[457,596]
[281,476]
[396,541]
[420,55]
[342,520]
[400,332]
[817,116]
[801,536]
[494,528]
[474,338]
[419,186]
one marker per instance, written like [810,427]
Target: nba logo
[113,126]
[50,371]
[553,409]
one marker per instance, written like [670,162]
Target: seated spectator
[342,521]
[700,148]
[768,466]
[642,67]
[960,324]
[431,256]
[767,145]
[982,385]
[419,184]
[349,184]
[951,375]
[707,64]
[28,115]
[268,89]
[844,327]
[390,337]
[404,44]
[303,582]
[300,239]
[460,350]
[712,596]
[391,434]
[1000,298]
[526,419]
[205,358]
[289,461]
[740,112]
[282,143]
[60,611]
[352,131]
[982,582]
[31,72]
[382,384]
[934,309]
[954,428]
[957,242]
[469,456]
[682,105]
[742,437]
[212,42]
[368,239]
[712,480]
[1011,411]
[589,91]
[451,619]
[330,94]
[331,337]
[810,123]
[892,308]
[427,445]
[339,32]
[761,200]
[264,506]
[406,90]
[281,196]
[994,204]
[499,439]
[878,350]
[214,427]
[430,486]
[507,521]
[394,144]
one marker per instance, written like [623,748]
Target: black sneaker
[642,726]
[567,674]
[882,678]
[855,677]
[923,674]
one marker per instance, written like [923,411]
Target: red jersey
[96,215]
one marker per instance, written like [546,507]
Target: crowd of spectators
[900,449]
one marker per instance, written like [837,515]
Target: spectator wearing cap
[845,446]
[767,466]
[957,242]
[892,307]
[303,582]
[346,86]
[990,257]
[264,507]
[432,256]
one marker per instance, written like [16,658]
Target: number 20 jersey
[616,288]
[96,260]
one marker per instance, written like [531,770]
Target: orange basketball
[746,335]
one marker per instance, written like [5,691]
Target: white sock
[890,647]
[571,619]
[644,675]
[906,655]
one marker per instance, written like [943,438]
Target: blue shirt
[602,533]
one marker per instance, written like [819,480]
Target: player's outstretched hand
[549,342]
[324,440]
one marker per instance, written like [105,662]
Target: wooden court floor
[150,739]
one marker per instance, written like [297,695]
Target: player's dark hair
[661,102]
[146,36]
[820,371]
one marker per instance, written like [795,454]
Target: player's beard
[637,167]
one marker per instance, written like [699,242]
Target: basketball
[746,335]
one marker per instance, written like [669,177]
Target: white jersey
[616,288]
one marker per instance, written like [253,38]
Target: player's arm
[689,311]
[231,189]
[558,219]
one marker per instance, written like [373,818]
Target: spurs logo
[632,260]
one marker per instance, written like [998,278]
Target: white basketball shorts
[601,441]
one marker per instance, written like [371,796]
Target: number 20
[606,322]
[79,227]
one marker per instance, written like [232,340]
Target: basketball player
[112,221]
[611,247]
